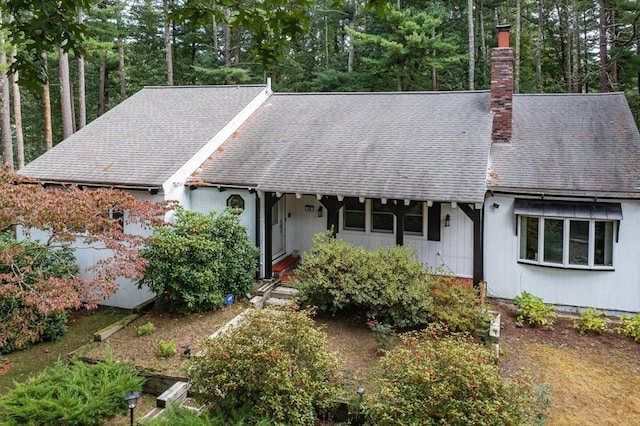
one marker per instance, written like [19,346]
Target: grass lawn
[21,365]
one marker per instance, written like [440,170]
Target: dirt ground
[594,379]
[183,331]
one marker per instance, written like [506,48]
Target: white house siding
[302,225]
[616,291]
[454,251]
[206,200]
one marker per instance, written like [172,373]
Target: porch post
[400,210]
[333,206]
[478,254]
[270,200]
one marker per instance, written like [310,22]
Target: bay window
[569,235]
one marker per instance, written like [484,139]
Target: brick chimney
[502,86]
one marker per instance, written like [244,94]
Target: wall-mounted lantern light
[320,211]
[447,221]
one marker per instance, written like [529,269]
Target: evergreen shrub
[389,284]
[273,364]
[75,394]
[430,380]
[195,263]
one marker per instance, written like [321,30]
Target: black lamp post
[132,401]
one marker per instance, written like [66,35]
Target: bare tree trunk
[326,40]
[46,106]
[65,94]
[352,48]
[613,73]
[575,71]
[238,46]
[82,98]
[539,40]
[5,112]
[214,33]
[472,45]
[483,42]
[227,38]
[602,26]
[434,72]
[17,117]
[121,71]
[516,59]
[167,42]
[102,85]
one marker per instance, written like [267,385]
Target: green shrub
[146,329]
[74,394]
[384,334]
[533,311]
[274,363]
[457,308]
[26,317]
[165,349]
[591,321]
[182,416]
[197,261]
[388,284]
[448,380]
[630,327]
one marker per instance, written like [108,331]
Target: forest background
[64,63]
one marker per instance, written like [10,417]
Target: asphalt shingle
[569,144]
[413,145]
[144,140]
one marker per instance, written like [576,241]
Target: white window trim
[368,229]
[565,244]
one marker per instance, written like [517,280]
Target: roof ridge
[209,86]
[569,94]
[470,92]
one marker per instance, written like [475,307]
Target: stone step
[282,292]
[276,302]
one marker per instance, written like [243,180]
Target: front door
[277,229]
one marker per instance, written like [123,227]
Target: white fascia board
[182,174]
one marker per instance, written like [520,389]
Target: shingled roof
[569,144]
[412,145]
[144,140]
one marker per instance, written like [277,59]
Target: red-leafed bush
[39,282]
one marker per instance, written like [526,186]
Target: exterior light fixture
[132,401]
[447,221]
[320,211]
[360,391]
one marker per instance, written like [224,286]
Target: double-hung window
[381,217]
[354,214]
[569,235]
[413,220]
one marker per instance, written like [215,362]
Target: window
[235,203]
[413,220]
[567,242]
[354,214]
[381,217]
[567,234]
